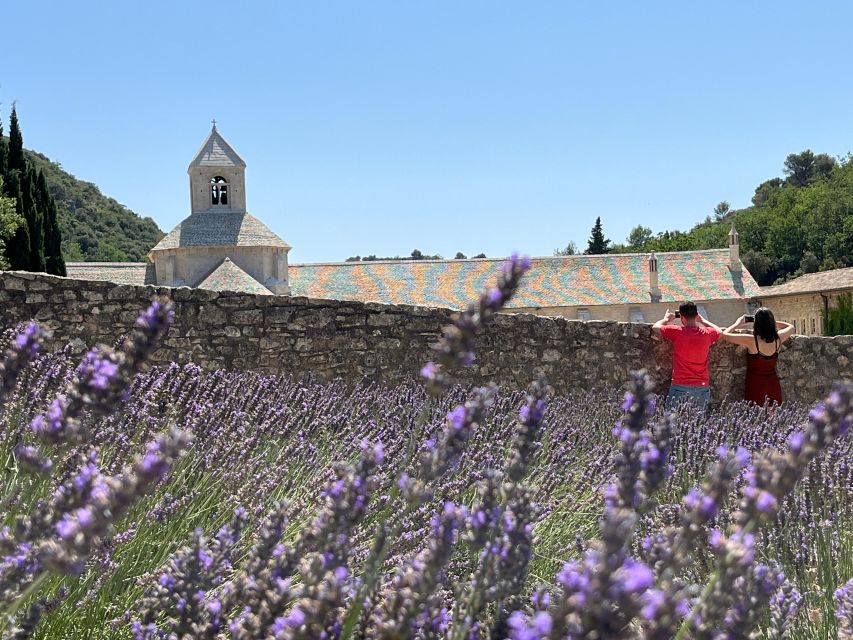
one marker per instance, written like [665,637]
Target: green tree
[35,220]
[597,244]
[4,152]
[72,252]
[54,262]
[417,255]
[459,256]
[765,190]
[10,222]
[36,245]
[722,210]
[17,247]
[757,264]
[15,160]
[569,250]
[638,238]
[479,255]
[805,167]
[838,319]
[809,263]
[107,252]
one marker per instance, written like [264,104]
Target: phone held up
[678,314]
[749,318]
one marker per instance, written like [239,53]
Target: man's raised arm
[667,317]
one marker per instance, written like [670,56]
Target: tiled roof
[813,283]
[552,281]
[220,229]
[216,152]
[229,277]
[119,272]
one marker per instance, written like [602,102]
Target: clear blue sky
[379,127]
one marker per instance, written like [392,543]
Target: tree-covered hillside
[798,224]
[94,227]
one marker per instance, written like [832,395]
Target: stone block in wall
[180,294]
[381,319]
[38,285]
[211,315]
[297,301]
[247,316]
[14,283]
[311,319]
[278,315]
[551,355]
[351,320]
[268,343]
[238,301]
[123,292]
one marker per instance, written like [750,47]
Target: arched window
[218,191]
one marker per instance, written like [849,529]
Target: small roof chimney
[653,262]
[734,251]
[654,287]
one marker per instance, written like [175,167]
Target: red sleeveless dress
[762,382]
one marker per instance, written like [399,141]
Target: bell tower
[217,177]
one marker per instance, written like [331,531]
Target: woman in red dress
[762,352]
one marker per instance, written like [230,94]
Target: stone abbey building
[221,246]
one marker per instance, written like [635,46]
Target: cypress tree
[597,243]
[4,151]
[15,160]
[54,263]
[35,220]
[18,246]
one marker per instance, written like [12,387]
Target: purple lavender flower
[102,379]
[31,459]
[844,610]
[456,348]
[24,348]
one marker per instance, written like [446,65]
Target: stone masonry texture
[354,341]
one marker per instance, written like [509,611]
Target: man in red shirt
[691,341]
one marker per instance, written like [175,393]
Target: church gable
[229,277]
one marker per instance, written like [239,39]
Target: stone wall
[720,312]
[352,340]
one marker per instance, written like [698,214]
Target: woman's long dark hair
[765,325]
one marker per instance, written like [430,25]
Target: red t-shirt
[690,347]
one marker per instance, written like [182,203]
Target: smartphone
[678,314]
[749,318]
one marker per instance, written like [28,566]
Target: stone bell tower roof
[216,152]
[220,229]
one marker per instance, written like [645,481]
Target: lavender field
[277,507]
